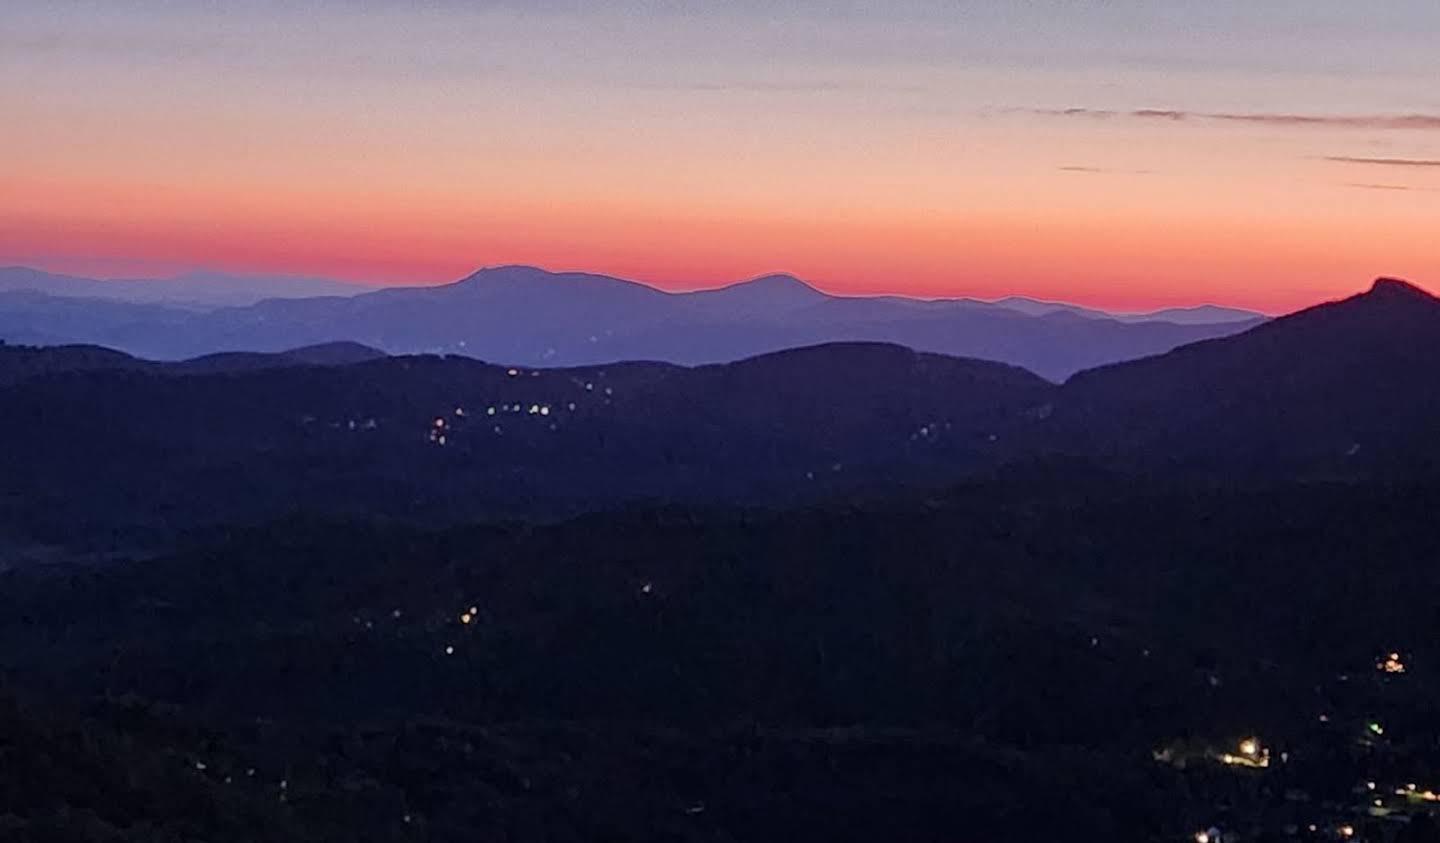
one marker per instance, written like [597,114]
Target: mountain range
[199,289]
[293,580]
[1338,391]
[528,316]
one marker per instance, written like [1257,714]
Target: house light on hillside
[1392,663]
[1249,753]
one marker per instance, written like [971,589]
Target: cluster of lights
[1411,791]
[1250,753]
[1392,663]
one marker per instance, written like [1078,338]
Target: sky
[1118,153]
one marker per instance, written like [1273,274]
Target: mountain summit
[1395,288]
[1338,385]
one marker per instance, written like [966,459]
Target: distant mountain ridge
[529,316]
[199,289]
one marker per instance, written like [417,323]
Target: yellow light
[466,618]
[1250,747]
[1202,837]
[1347,831]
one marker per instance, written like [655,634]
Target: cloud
[1104,171]
[1411,122]
[777,87]
[1384,162]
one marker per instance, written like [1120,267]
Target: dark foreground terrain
[840,593]
[1049,652]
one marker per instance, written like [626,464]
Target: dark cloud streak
[1384,122]
[1384,162]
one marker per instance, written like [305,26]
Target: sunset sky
[1119,153]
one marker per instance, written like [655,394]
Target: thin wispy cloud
[778,87]
[1394,188]
[1381,122]
[1104,171]
[1384,162]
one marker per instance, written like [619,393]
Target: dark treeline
[1008,655]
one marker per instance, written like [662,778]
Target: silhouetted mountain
[527,316]
[1342,390]
[443,438]
[192,290]
[1205,314]
[22,362]
[19,362]
[1344,386]
[328,354]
